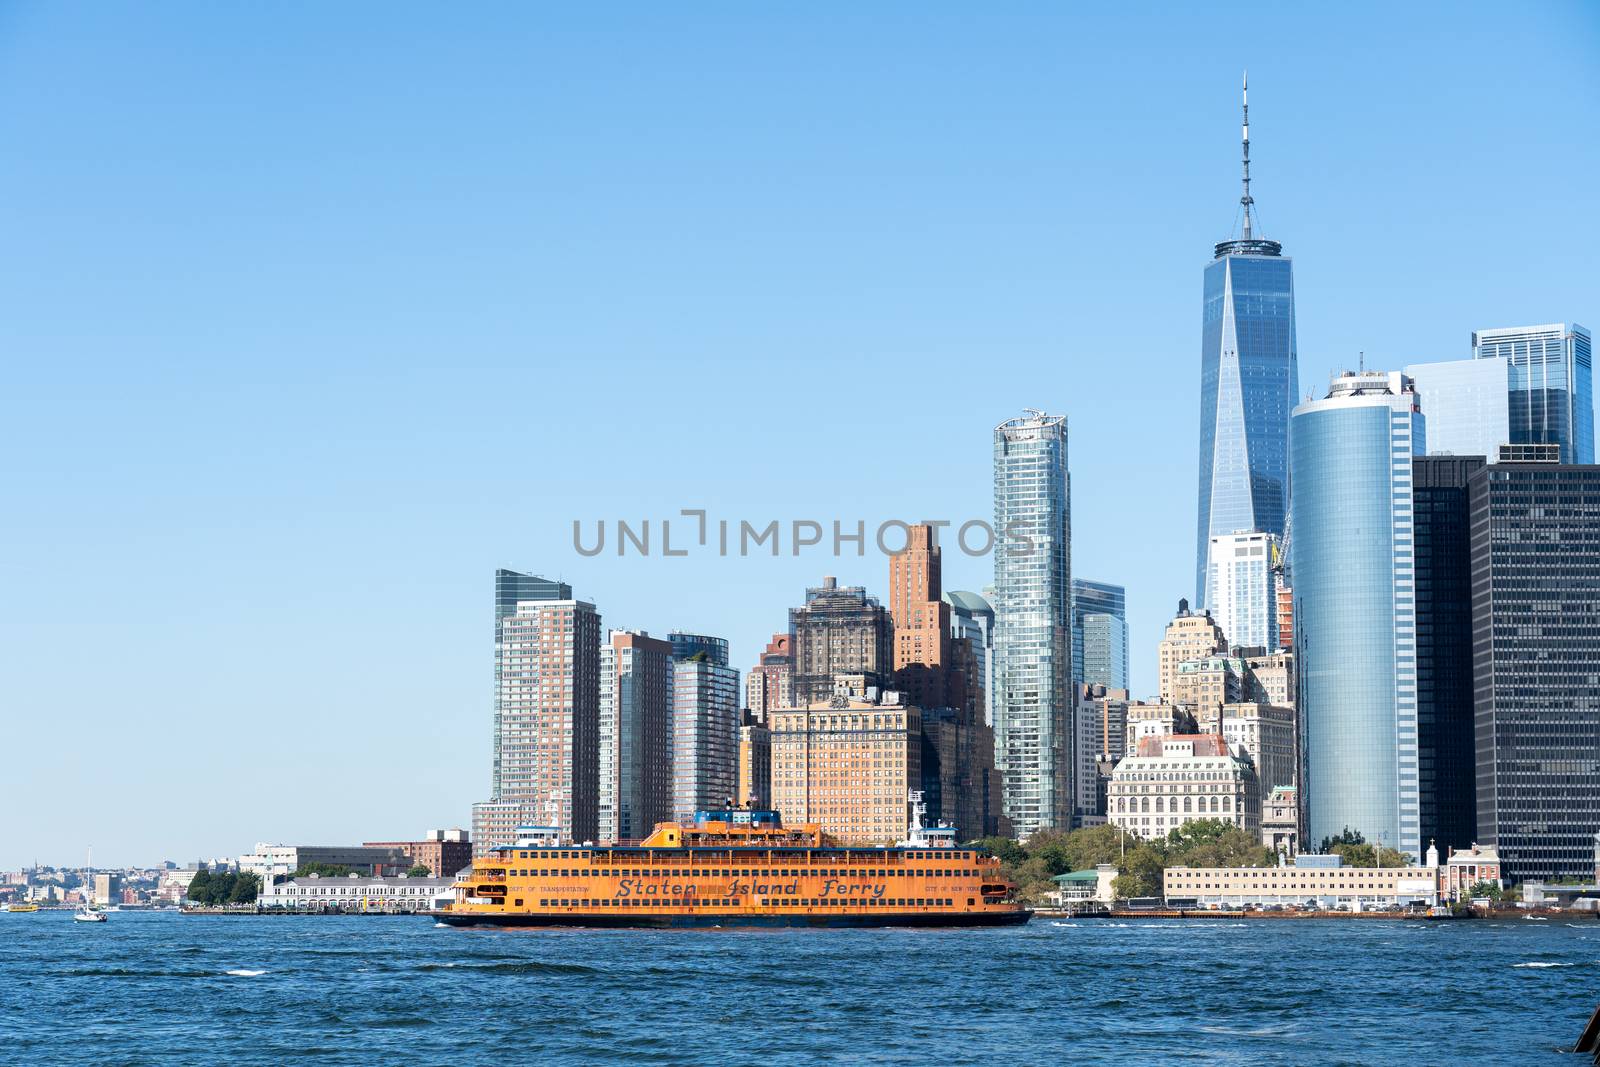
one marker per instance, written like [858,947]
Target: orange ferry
[734,868]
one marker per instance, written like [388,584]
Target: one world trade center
[1248,384]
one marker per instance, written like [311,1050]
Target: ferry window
[970,902]
[519,902]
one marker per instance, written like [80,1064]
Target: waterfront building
[1099,634]
[1446,757]
[636,754]
[107,887]
[1551,384]
[770,683]
[1535,545]
[705,725]
[1241,590]
[1189,636]
[1263,732]
[358,894]
[972,622]
[1355,610]
[443,852]
[1465,868]
[960,784]
[270,861]
[1280,821]
[755,762]
[1172,780]
[1033,621]
[847,766]
[1466,404]
[839,630]
[547,712]
[1313,881]
[1248,383]
[921,621]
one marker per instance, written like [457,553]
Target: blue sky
[316,314]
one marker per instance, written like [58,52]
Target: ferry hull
[667,922]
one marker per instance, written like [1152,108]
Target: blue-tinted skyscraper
[1105,643]
[1552,385]
[1248,386]
[1355,612]
[1033,622]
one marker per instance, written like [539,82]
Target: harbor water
[166,988]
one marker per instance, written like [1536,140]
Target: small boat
[88,913]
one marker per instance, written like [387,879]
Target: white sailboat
[87,912]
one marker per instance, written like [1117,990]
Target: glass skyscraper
[1551,387]
[1464,401]
[1535,530]
[705,724]
[1033,621]
[1105,644]
[1355,626]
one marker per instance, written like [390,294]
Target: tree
[323,870]
[1007,851]
[200,886]
[421,870]
[246,888]
[1490,890]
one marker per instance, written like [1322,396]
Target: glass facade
[1445,767]
[1248,386]
[1551,385]
[1110,664]
[1033,621]
[1465,403]
[1354,611]
[1242,589]
[1536,665]
[705,726]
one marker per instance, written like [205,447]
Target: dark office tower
[1248,385]
[1446,783]
[840,631]
[1536,665]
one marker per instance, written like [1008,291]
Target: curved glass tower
[1248,386]
[1355,625]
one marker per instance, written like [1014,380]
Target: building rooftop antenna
[1246,201]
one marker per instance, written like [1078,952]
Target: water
[164,988]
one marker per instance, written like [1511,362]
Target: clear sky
[316,314]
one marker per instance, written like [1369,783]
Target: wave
[1264,1031]
[441,926]
[1541,964]
[1063,924]
[241,972]
[524,967]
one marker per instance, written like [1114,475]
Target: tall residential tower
[1033,621]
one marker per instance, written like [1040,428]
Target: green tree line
[224,887]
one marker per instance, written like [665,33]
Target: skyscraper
[705,724]
[972,620]
[1241,589]
[1536,665]
[635,735]
[1445,760]
[840,630]
[1552,384]
[547,712]
[921,621]
[770,683]
[1466,405]
[1248,384]
[1109,651]
[1355,608]
[1033,702]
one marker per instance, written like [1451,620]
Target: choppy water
[162,988]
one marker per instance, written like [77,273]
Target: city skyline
[324,419]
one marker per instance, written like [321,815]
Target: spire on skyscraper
[1245,201]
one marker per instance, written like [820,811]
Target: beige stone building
[1169,781]
[1188,637]
[1208,681]
[1317,881]
[1269,677]
[847,765]
[755,762]
[1263,732]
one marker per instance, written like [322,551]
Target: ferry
[733,867]
[21,909]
